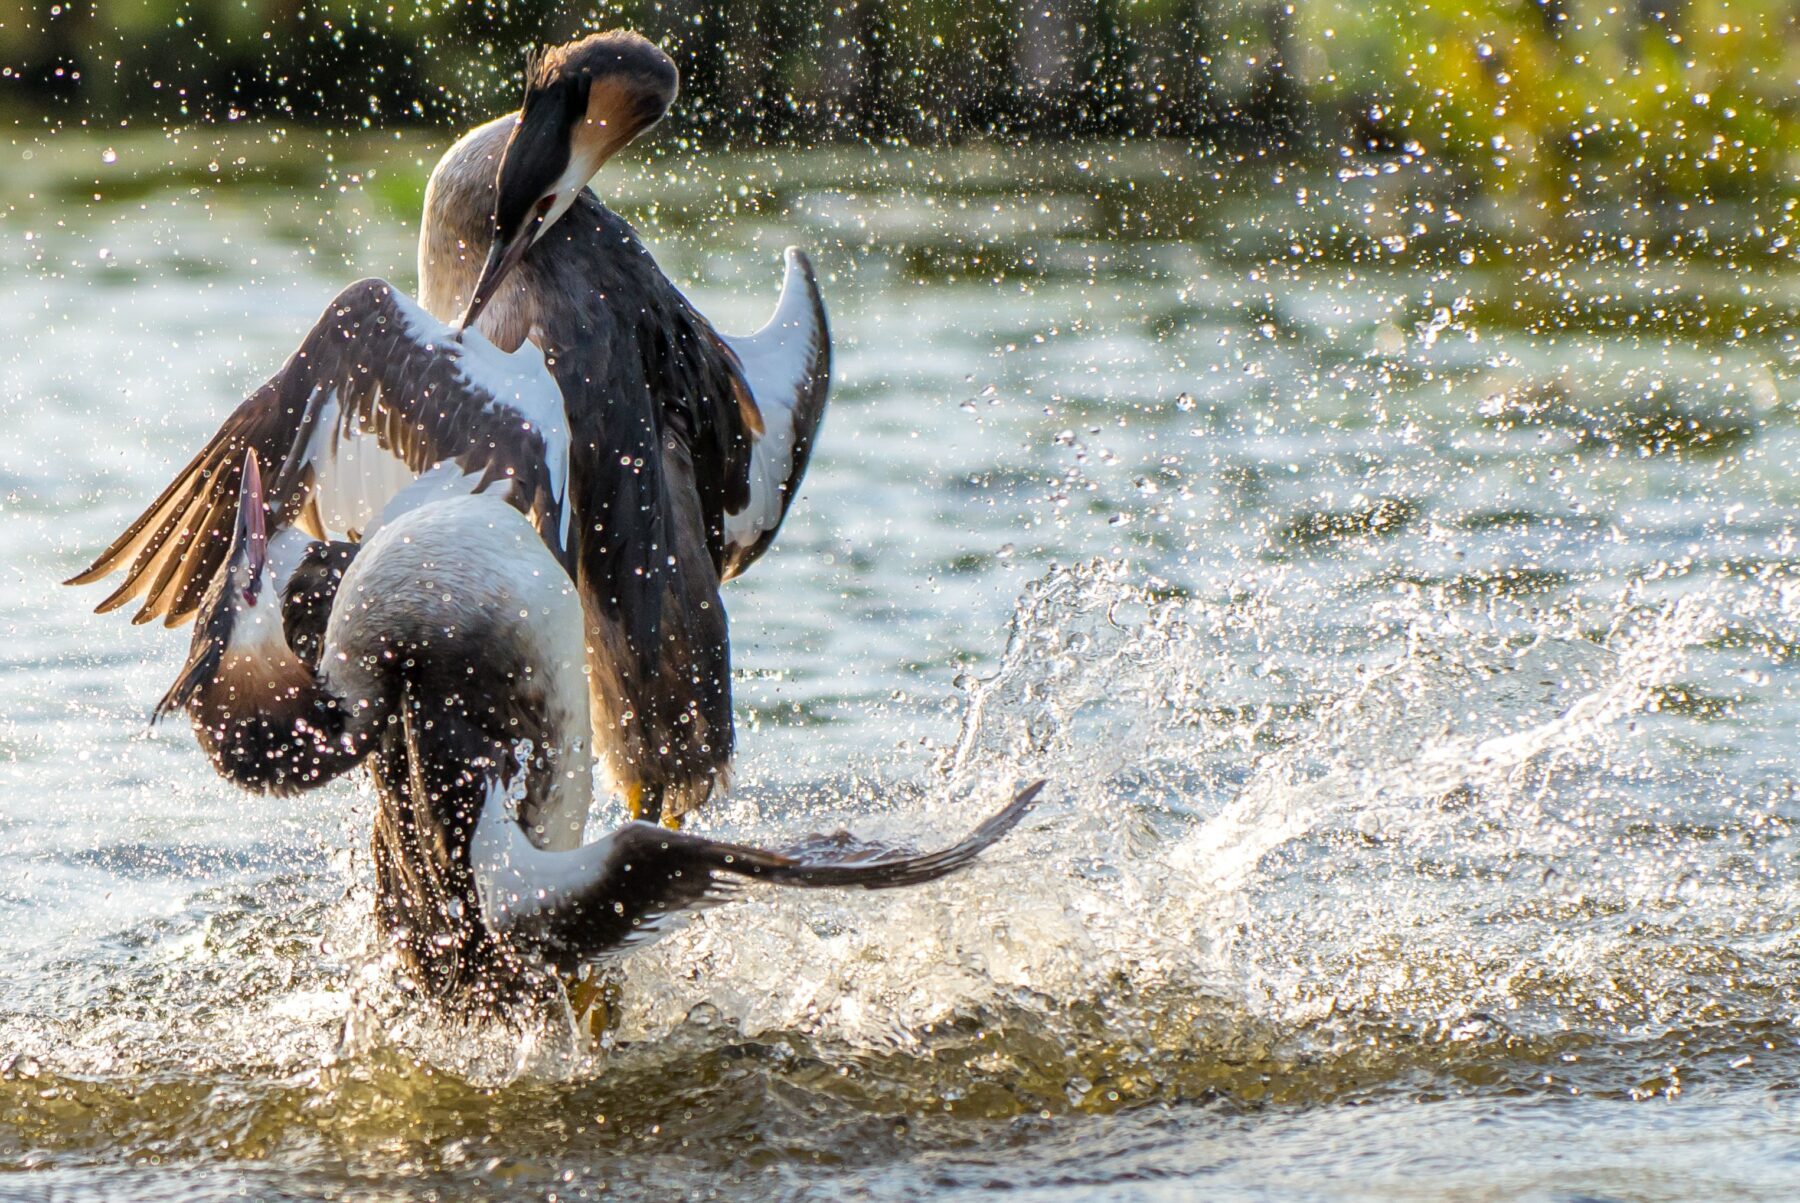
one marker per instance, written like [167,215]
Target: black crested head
[641,77]
[538,153]
[583,102]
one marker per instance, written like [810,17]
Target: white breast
[472,563]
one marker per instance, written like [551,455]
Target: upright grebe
[686,447]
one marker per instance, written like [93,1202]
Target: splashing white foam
[1189,742]
[1251,804]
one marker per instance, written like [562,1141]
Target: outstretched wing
[787,365]
[623,890]
[172,551]
[743,410]
[397,402]
[380,400]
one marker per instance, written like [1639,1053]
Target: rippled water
[1399,591]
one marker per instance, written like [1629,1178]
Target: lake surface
[1397,587]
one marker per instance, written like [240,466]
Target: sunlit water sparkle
[1415,682]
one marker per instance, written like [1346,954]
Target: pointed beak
[250,541]
[503,256]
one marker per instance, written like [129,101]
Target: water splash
[1266,875]
[1217,770]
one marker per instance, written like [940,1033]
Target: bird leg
[593,1000]
[644,800]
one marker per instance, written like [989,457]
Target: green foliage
[1694,100]
[1556,102]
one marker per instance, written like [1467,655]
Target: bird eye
[543,206]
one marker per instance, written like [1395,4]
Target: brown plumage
[451,663]
[172,551]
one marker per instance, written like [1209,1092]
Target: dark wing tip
[165,706]
[117,598]
[654,874]
[797,256]
[202,665]
[900,871]
[91,573]
[920,869]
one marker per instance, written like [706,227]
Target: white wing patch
[518,380]
[354,477]
[358,485]
[778,364]
[517,881]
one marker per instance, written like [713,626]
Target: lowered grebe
[446,650]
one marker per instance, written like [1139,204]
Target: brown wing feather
[410,395]
[697,386]
[170,578]
[164,530]
[413,398]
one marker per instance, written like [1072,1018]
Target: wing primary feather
[168,574]
[134,582]
[374,374]
[169,538]
[168,526]
[234,435]
[596,901]
[127,544]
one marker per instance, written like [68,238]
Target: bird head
[261,714]
[583,102]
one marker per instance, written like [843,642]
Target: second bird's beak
[250,539]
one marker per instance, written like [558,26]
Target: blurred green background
[1663,101]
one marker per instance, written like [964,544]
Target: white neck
[454,232]
[256,630]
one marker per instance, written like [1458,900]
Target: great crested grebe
[446,650]
[685,449]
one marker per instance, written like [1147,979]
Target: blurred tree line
[1672,96]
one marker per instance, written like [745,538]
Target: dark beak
[212,631]
[251,538]
[503,256]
